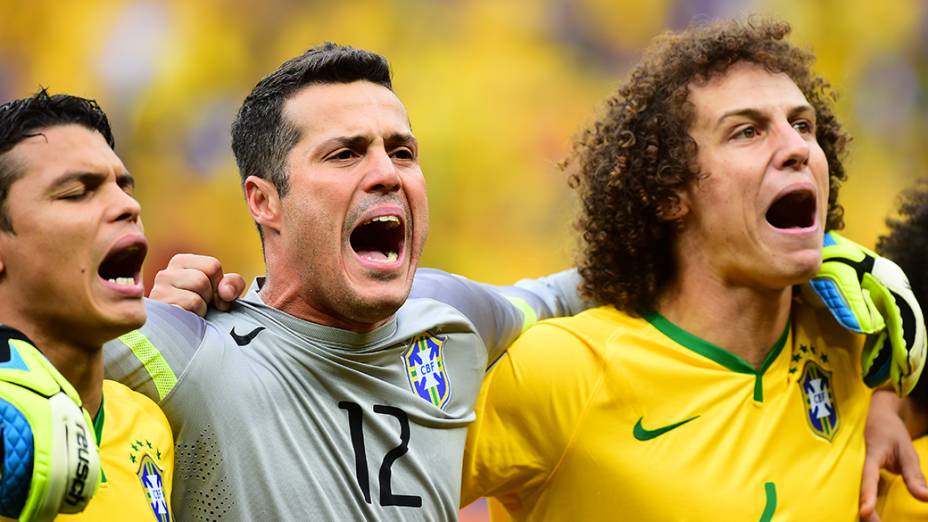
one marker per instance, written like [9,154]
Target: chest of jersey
[678,436]
[373,434]
[136,456]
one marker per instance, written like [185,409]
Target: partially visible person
[71,251]
[702,389]
[907,245]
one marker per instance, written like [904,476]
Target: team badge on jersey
[425,369]
[821,407]
[153,483]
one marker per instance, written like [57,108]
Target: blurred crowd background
[495,91]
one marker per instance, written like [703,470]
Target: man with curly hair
[701,389]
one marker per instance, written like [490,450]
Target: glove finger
[876,360]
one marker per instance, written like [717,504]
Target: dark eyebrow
[92,178]
[799,109]
[350,142]
[361,142]
[83,177]
[394,140]
[752,114]
[757,115]
[125,180]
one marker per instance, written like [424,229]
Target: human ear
[674,208]
[263,202]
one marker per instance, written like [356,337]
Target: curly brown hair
[630,166]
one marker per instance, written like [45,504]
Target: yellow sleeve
[530,403]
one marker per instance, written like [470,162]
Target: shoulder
[450,289]
[129,414]
[817,326]
[590,330]
[121,397]
[167,315]
[552,349]
[167,328]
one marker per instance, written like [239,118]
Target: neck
[81,365]
[284,290]
[745,321]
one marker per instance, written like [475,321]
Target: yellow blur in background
[494,89]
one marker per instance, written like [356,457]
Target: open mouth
[792,210]
[122,265]
[379,240]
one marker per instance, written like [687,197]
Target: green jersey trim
[720,355]
[770,505]
[529,317]
[98,430]
[161,373]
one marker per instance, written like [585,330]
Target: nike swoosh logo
[641,433]
[242,340]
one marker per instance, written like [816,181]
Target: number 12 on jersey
[356,427]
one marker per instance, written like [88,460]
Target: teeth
[390,257]
[123,281]
[391,220]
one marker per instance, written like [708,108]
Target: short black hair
[26,117]
[262,138]
[907,245]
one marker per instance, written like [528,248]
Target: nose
[382,175]
[793,150]
[124,207]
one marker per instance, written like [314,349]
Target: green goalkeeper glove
[870,294]
[50,463]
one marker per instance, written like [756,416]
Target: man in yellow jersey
[71,251]
[907,245]
[702,389]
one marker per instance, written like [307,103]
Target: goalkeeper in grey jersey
[330,392]
[277,418]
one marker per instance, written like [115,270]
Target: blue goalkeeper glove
[870,294]
[50,463]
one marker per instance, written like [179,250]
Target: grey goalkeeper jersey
[276,418]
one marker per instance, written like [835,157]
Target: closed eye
[81,187]
[74,195]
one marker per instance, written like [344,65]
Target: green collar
[721,356]
[98,423]
[98,430]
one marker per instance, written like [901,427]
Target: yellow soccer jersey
[896,504]
[137,457]
[607,417]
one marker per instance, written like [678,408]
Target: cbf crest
[821,407]
[425,369]
[153,483]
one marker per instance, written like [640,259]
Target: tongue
[375,255]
